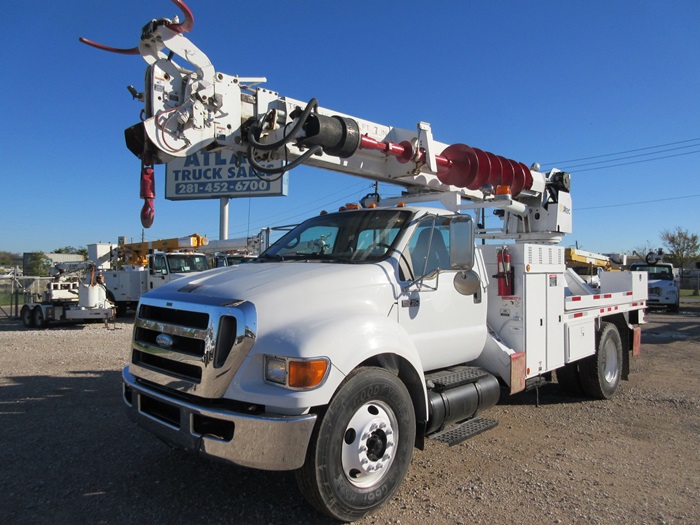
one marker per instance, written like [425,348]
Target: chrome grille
[190,347]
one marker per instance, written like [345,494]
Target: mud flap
[636,341]
[518,365]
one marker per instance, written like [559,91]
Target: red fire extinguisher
[505,275]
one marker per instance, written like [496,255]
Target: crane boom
[136,253]
[195,108]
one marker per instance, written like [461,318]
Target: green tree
[10,259]
[38,265]
[682,246]
[71,249]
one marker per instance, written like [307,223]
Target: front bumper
[262,441]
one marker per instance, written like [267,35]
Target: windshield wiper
[270,256]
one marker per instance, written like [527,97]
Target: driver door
[446,327]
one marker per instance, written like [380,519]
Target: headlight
[276,370]
[296,373]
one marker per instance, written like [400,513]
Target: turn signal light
[307,374]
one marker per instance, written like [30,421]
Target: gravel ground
[70,455]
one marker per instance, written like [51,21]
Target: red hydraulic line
[402,151]
[181,27]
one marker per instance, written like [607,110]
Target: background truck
[360,333]
[75,294]
[130,270]
[664,289]
[229,252]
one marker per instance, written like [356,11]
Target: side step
[460,433]
[454,377]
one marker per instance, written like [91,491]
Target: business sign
[222,174]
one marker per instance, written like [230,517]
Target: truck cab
[175,265]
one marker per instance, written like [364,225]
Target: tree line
[39,264]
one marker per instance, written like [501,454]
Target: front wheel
[362,446]
[601,373]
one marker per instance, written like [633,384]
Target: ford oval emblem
[164,340]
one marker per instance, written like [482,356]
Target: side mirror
[462,243]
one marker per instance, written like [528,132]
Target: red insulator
[496,173]
[508,171]
[461,166]
[473,169]
[483,170]
[518,180]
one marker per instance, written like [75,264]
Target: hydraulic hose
[313,104]
[274,171]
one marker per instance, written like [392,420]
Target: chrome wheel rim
[369,444]
[611,368]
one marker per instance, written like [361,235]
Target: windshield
[347,237]
[655,271]
[187,263]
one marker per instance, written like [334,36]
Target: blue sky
[538,81]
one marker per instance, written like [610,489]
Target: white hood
[292,292]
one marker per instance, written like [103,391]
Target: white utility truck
[363,332]
[229,252]
[664,288]
[136,268]
[75,294]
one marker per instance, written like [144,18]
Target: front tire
[361,448]
[601,373]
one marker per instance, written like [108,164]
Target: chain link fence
[16,291]
[690,280]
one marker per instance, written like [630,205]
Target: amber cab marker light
[307,374]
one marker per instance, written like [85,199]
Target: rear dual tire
[39,318]
[597,376]
[27,317]
[601,372]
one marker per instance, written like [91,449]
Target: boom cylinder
[458,165]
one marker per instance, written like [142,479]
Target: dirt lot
[70,455]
